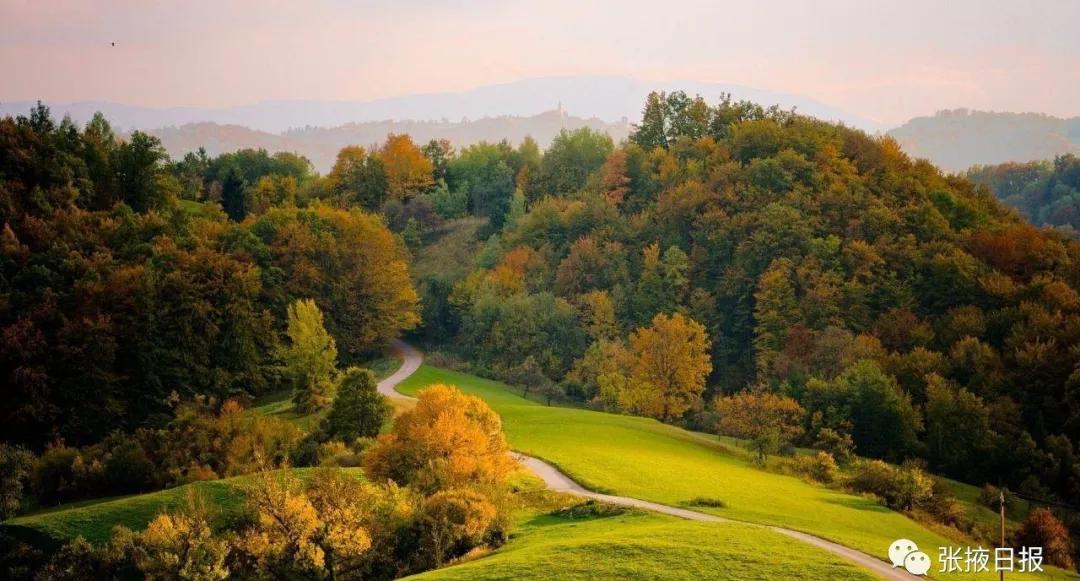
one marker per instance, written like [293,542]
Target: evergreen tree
[652,132]
[359,410]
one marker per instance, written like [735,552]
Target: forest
[1046,193]
[730,269]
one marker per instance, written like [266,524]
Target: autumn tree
[671,358]
[454,521]
[449,440]
[775,312]
[408,170]
[768,420]
[348,261]
[359,410]
[358,178]
[176,545]
[304,531]
[310,358]
[1042,529]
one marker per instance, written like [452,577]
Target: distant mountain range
[958,139]
[954,140]
[320,145]
[604,97]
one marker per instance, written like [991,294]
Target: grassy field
[645,546]
[646,459]
[556,536]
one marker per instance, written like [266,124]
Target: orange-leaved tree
[671,359]
[408,171]
[769,420]
[449,440]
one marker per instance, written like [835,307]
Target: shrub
[127,466]
[899,488]
[15,466]
[990,497]
[453,522]
[839,444]
[1043,529]
[337,453]
[706,502]
[946,509]
[820,467]
[591,509]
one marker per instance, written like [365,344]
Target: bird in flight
[114,44]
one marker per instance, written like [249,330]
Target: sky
[887,61]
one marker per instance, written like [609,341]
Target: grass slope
[646,459]
[94,519]
[646,546]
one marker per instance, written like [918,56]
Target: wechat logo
[906,554]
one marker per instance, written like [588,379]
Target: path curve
[557,481]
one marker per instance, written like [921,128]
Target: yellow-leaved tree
[668,364]
[448,441]
[305,532]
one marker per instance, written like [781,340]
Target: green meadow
[643,458]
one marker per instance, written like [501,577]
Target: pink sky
[887,61]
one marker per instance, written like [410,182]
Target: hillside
[321,144]
[1045,192]
[956,140]
[890,307]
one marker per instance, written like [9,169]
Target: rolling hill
[958,139]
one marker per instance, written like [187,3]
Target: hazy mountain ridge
[321,145]
[958,139]
[605,97]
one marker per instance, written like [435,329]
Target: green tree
[652,132]
[957,428]
[359,410]
[310,358]
[571,159]
[140,166]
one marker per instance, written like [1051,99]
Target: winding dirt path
[559,482]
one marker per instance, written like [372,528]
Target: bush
[820,467]
[946,509]
[453,522]
[1043,529]
[706,502]
[839,444]
[336,453]
[899,488]
[128,468]
[15,466]
[590,509]
[54,475]
[990,497]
